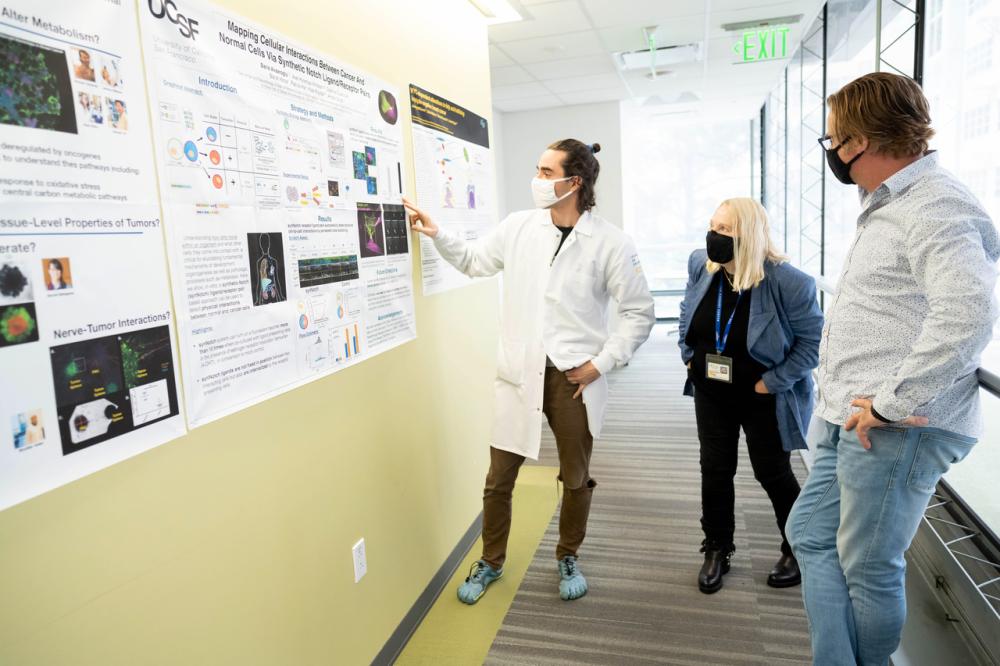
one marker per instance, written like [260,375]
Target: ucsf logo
[187,26]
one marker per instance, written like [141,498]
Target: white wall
[523,136]
[497,146]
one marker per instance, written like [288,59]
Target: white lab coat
[556,308]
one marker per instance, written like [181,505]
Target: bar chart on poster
[87,359]
[281,175]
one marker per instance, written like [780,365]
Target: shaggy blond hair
[887,109]
[752,243]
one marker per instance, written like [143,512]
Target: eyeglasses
[826,142]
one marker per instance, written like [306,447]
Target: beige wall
[232,545]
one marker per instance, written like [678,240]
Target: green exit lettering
[763,44]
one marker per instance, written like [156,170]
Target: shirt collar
[584,225]
[906,176]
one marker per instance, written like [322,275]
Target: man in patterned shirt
[898,393]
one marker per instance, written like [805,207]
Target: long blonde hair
[752,243]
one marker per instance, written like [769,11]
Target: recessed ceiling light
[659,73]
[497,11]
[661,57]
[761,23]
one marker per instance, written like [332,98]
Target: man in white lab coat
[562,267]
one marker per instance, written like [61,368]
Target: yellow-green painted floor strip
[455,633]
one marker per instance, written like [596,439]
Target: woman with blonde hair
[749,333]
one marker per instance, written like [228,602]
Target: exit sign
[762,44]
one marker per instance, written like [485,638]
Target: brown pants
[568,420]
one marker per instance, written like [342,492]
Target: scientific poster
[87,362]
[72,105]
[454,173]
[281,173]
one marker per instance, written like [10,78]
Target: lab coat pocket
[510,362]
[583,291]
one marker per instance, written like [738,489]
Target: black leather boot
[785,573]
[717,558]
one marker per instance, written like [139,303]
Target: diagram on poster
[86,352]
[281,174]
[454,173]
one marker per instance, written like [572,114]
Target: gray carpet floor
[641,555]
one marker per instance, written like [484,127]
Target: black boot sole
[781,584]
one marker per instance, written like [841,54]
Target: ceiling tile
[578,67]
[506,76]
[498,58]
[528,103]
[640,13]
[519,90]
[577,83]
[555,69]
[630,38]
[592,96]
[559,47]
[549,19]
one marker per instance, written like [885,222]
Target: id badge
[719,368]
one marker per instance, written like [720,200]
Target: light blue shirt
[914,306]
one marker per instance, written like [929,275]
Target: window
[677,169]
[934,32]
[976,122]
[968,141]
[850,54]
[980,57]
[776,166]
[935,27]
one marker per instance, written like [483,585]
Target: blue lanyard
[720,343]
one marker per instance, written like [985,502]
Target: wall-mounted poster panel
[87,366]
[281,175]
[454,173]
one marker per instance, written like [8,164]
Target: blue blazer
[783,335]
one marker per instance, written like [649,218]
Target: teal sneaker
[572,584]
[479,578]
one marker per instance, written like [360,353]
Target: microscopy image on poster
[454,173]
[35,90]
[70,90]
[277,164]
[108,386]
[371,234]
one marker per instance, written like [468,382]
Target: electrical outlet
[360,560]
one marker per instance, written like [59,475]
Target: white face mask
[543,191]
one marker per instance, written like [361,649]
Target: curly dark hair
[580,162]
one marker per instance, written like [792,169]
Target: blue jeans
[854,519]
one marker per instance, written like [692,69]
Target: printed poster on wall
[281,175]
[454,174]
[88,371]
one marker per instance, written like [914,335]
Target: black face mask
[720,248]
[840,169]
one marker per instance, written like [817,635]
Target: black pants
[719,423]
